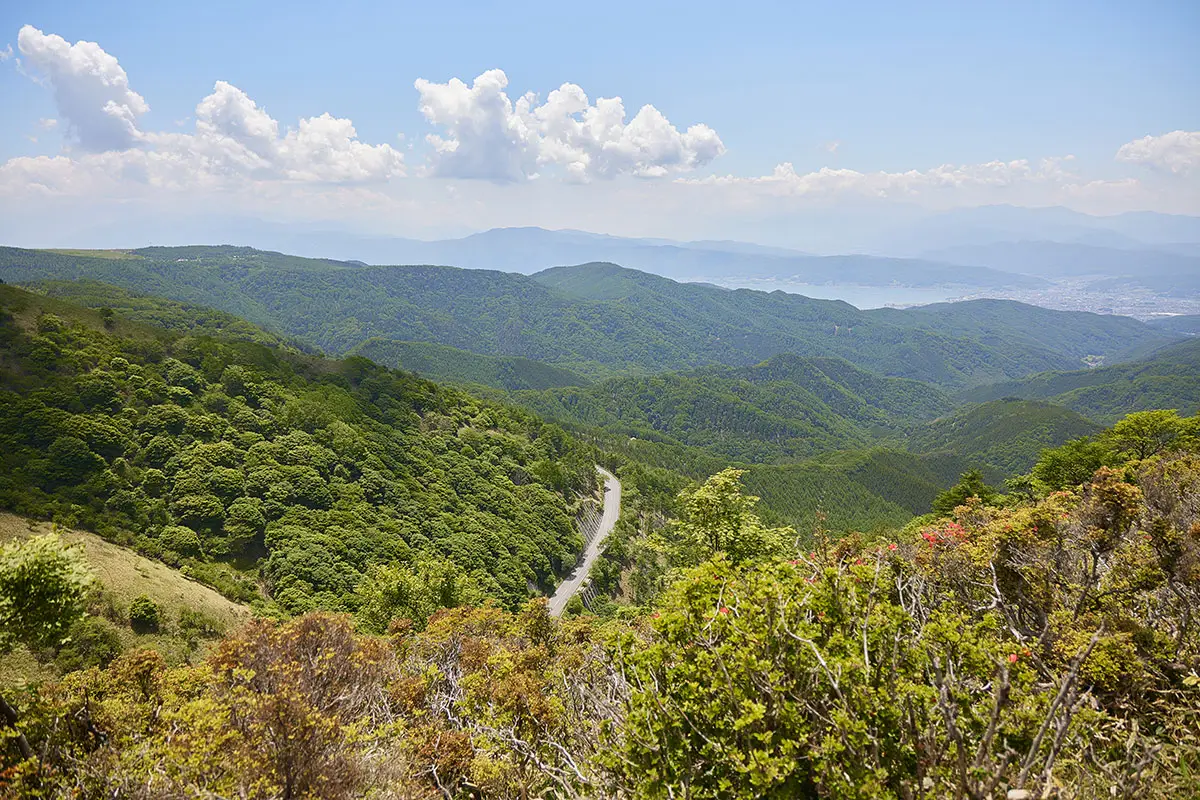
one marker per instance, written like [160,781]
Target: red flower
[724,610]
[892,546]
[1012,658]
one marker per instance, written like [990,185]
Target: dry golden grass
[126,575]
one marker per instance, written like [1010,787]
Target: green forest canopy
[599,319]
[217,453]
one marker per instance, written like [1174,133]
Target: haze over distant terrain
[1071,189]
[1136,264]
[861,141]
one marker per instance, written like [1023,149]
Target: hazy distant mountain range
[993,251]
[991,248]
[1139,230]
[597,320]
[1163,272]
[529,250]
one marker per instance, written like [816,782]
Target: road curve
[612,509]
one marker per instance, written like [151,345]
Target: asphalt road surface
[612,509]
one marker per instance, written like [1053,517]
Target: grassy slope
[127,575]
[124,575]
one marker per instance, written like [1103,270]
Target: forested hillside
[1188,324]
[222,455]
[1007,647]
[598,319]
[441,362]
[788,408]
[867,490]
[785,408]
[183,318]
[1166,378]
[1008,434]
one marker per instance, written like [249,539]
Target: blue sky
[873,88]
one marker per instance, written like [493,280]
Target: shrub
[143,614]
[92,642]
[181,540]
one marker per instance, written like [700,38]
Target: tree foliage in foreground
[1050,646]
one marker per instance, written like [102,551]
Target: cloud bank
[487,135]
[1177,151]
[234,139]
[491,158]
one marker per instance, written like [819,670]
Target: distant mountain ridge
[1167,273]
[529,250]
[1060,259]
[876,227]
[1166,378]
[600,319]
[987,225]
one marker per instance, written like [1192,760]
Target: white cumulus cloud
[90,88]
[234,140]
[486,135]
[234,136]
[1177,151]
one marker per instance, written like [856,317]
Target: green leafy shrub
[91,642]
[144,614]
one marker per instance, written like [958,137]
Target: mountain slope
[939,343]
[863,490]
[1186,324]
[596,319]
[787,407]
[223,455]
[441,362]
[184,318]
[1019,328]
[1007,434]
[1166,378]
[126,575]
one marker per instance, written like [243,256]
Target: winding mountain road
[612,509]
